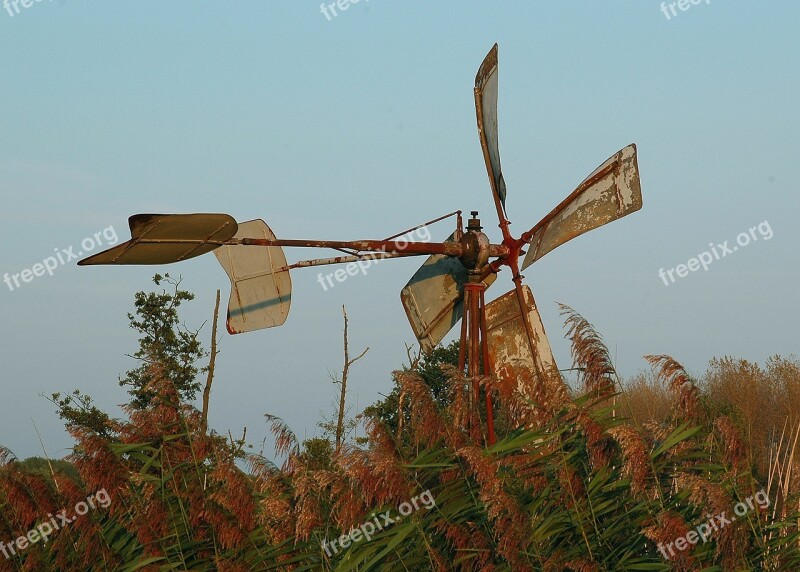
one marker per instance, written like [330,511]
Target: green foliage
[166,347]
[78,410]
[41,467]
[164,344]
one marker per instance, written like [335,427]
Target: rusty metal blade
[486,108]
[433,298]
[611,192]
[521,364]
[261,288]
[164,233]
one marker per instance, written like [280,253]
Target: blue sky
[362,126]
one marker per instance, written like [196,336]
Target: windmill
[505,337]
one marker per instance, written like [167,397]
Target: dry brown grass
[646,399]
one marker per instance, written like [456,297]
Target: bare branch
[211,362]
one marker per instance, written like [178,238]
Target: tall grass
[597,483]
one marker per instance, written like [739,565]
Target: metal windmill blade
[261,287]
[486,92]
[168,238]
[520,366]
[611,192]
[434,298]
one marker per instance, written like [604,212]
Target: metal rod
[391,246]
[486,369]
[343,260]
[434,221]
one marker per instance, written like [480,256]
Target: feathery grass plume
[713,500]
[98,465]
[459,406]
[510,523]
[286,442]
[683,387]
[276,512]
[230,508]
[665,528]
[589,353]
[307,513]
[527,466]
[260,467]
[349,508]
[572,486]
[599,444]
[25,508]
[378,472]
[636,464]
[732,448]
[427,425]
[469,542]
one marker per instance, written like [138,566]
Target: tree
[165,343]
[167,349]
[341,427]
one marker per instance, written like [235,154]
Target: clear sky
[362,125]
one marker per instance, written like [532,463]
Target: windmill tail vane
[450,285]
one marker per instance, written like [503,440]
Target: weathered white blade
[167,238]
[433,298]
[261,288]
[522,364]
[486,90]
[611,192]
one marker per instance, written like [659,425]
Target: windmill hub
[475,245]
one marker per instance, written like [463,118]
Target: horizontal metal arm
[401,247]
[393,246]
[345,259]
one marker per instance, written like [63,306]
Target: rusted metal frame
[347,251]
[455,249]
[614,165]
[345,259]
[430,222]
[462,348]
[475,350]
[446,248]
[486,368]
